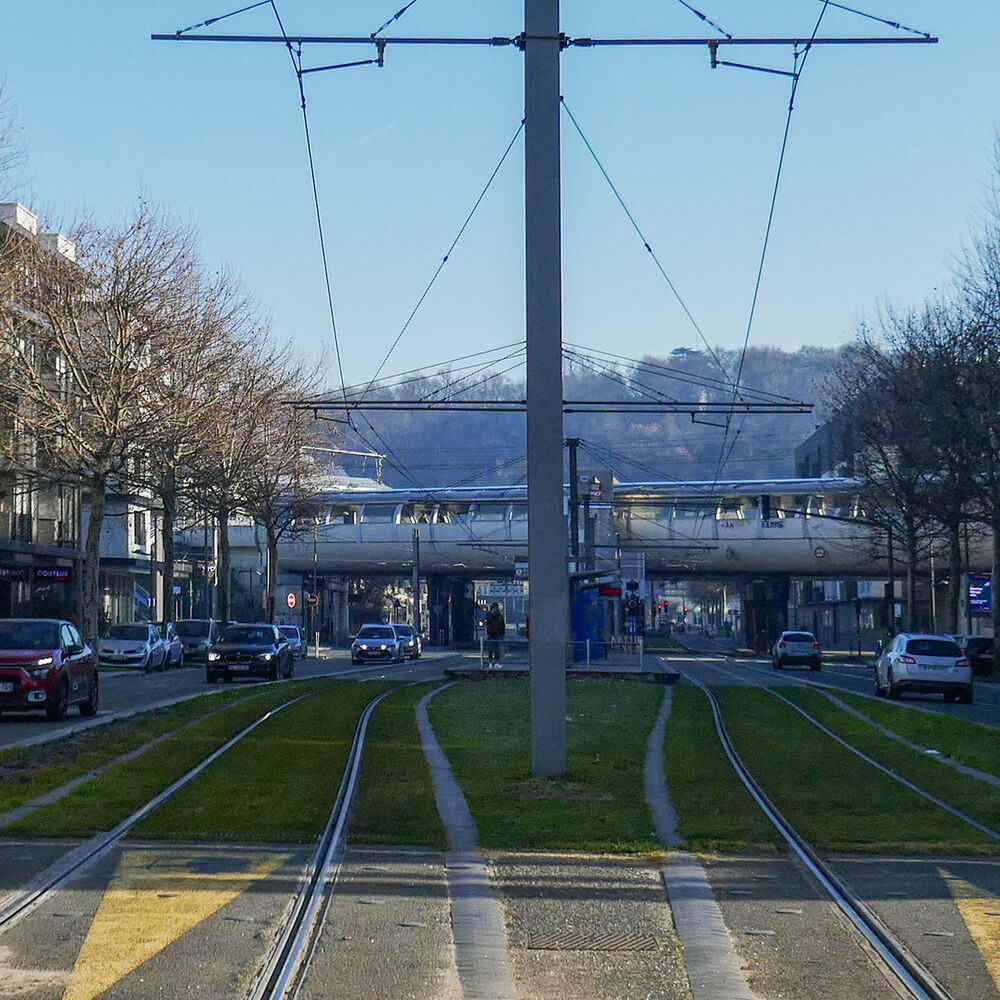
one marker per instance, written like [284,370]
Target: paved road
[128,692]
[716,667]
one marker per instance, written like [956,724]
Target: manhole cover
[583,941]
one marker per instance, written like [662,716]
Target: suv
[924,663]
[796,647]
[978,651]
[197,634]
[377,642]
[45,665]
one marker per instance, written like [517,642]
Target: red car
[45,665]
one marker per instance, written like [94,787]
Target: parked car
[795,646]
[46,666]
[132,644]
[173,644]
[258,650]
[978,650]
[197,634]
[377,642]
[295,641]
[924,663]
[413,646]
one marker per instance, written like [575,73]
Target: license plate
[7,686]
[239,666]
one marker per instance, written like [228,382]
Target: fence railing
[619,650]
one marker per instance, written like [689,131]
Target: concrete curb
[657,797]
[481,955]
[714,970]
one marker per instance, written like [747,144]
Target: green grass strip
[598,805]
[278,784]
[833,798]
[977,798]
[27,772]
[715,812]
[122,788]
[970,743]
[395,803]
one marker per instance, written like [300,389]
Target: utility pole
[574,503]
[415,582]
[542,43]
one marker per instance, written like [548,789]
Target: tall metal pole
[543,336]
[415,583]
[574,502]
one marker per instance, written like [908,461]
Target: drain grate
[583,941]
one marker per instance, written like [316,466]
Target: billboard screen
[980,593]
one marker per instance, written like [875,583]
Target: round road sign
[819,552]
[290,600]
[312,600]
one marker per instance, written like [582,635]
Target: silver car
[295,641]
[796,647]
[924,663]
[132,644]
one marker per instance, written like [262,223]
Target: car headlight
[265,656]
[39,674]
[364,646]
[44,661]
[383,646]
[213,656]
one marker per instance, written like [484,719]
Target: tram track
[897,958]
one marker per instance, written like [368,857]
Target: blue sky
[889,161]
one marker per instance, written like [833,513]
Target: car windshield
[137,633]
[406,631]
[28,635]
[982,643]
[291,631]
[376,632]
[249,635]
[192,629]
[933,647]
[799,637]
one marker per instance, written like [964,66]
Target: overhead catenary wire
[641,235]
[880,20]
[799,66]
[445,259]
[392,20]
[222,17]
[703,17]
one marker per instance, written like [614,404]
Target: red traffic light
[686,609]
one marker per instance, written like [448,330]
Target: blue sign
[980,593]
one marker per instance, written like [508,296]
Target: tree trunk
[910,621]
[222,570]
[955,568]
[995,574]
[168,496]
[92,565]
[271,579]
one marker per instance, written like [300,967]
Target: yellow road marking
[154,897]
[976,910]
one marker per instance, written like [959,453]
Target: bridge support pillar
[765,611]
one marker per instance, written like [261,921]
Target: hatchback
[413,647]
[377,642]
[796,647]
[45,665]
[295,641]
[132,644]
[925,664]
[978,651]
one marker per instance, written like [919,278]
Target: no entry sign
[290,600]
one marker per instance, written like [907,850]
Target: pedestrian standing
[495,629]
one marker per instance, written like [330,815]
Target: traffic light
[659,607]
[686,609]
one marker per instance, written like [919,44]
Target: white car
[133,644]
[796,646]
[924,663]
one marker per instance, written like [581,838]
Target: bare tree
[81,340]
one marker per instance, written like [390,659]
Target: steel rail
[946,806]
[23,902]
[907,968]
[289,957]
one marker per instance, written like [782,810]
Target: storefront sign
[13,572]
[52,574]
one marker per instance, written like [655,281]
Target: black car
[249,651]
[978,651]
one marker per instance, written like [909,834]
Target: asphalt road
[713,665]
[127,692]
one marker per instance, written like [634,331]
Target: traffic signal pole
[547,571]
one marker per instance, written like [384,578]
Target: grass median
[123,787]
[976,798]
[597,805]
[278,784]
[967,742]
[715,812]
[833,798]
[27,772]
